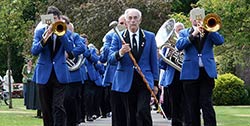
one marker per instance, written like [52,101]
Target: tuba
[166,39]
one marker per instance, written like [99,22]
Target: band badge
[47,19]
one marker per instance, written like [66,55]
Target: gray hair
[132,9]
[178,24]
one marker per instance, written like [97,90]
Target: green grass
[233,115]
[19,116]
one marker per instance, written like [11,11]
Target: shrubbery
[230,90]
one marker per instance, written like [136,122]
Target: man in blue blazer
[173,88]
[198,69]
[52,71]
[129,96]
[110,68]
[72,100]
[87,71]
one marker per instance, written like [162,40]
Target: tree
[92,17]
[236,31]
[13,31]
[182,6]
[235,17]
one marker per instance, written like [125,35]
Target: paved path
[157,121]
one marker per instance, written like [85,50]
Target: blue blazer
[148,61]
[110,68]
[79,48]
[46,62]
[89,58]
[190,67]
[91,73]
[168,74]
[99,67]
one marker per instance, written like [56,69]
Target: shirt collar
[131,33]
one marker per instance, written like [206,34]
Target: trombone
[211,23]
[59,28]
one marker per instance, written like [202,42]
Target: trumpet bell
[59,28]
[212,22]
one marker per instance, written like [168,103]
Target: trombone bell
[59,28]
[212,22]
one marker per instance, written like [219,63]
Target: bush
[229,90]
[248,98]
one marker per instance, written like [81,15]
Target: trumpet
[59,28]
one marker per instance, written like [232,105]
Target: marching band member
[110,68]
[84,77]
[129,96]
[91,78]
[73,89]
[51,72]
[198,69]
[173,87]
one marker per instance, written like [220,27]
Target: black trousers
[132,108]
[119,114]
[97,99]
[167,105]
[105,105]
[72,103]
[52,97]
[176,95]
[82,105]
[198,94]
[89,97]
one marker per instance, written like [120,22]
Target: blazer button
[53,62]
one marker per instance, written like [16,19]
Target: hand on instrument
[125,48]
[198,29]
[47,33]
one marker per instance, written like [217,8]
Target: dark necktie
[134,45]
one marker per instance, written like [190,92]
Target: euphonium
[166,39]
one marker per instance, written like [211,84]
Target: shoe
[90,119]
[96,117]
[39,117]
[104,116]
[109,114]
[81,121]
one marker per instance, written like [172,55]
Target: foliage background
[93,17]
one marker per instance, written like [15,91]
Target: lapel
[126,37]
[196,41]
[199,42]
[203,40]
[142,42]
